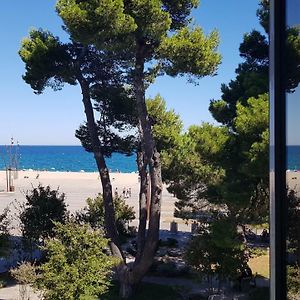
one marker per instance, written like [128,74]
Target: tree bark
[130,275]
[152,160]
[110,223]
[143,199]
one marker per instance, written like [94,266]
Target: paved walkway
[12,292]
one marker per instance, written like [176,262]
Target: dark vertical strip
[278,206]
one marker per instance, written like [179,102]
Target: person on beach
[116,192]
[124,192]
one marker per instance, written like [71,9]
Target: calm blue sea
[63,158]
[76,159]
[293,157]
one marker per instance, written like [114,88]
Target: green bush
[218,250]
[293,282]
[93,214]
[76,265]
[4,232]
[43,207]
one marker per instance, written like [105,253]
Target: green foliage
[218,249]
[90,21]
[4,232]
[50,63]
[190,52]
[143,27]
[146,39]
[166,124]
[93,214]
[245,161]
[210,141]
[47,60]
[293,282]
[263,14]
[293,232]
[179,11]
[76,265]
[293,54]
[252,74]
[189,161]
[214,165]
[43,206]
[252,126]
[229,165]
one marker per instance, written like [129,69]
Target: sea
[76,159]
[61,158]
[293,158]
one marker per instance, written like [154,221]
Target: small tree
[218,250]
[76,264]
[93,214]
[26,276]
[43,207]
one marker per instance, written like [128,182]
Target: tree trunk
[143,199]
[152,160]
[130,276]
[110,223]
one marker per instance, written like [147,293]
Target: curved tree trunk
[132,276]
[110,223]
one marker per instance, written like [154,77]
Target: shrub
[293,282]
[76,265]
[43,207]
[218,250]
[4,232]
[93,214]
[26,276]
[25,273]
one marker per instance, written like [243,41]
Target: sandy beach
[293,180]
[78,186]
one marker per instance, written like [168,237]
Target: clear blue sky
[51,118]
[293,103]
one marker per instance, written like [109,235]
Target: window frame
[278,207]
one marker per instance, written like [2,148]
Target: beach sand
[78,186]
[293,180]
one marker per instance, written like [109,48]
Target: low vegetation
[77,264]
[93,214]
[43,206]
